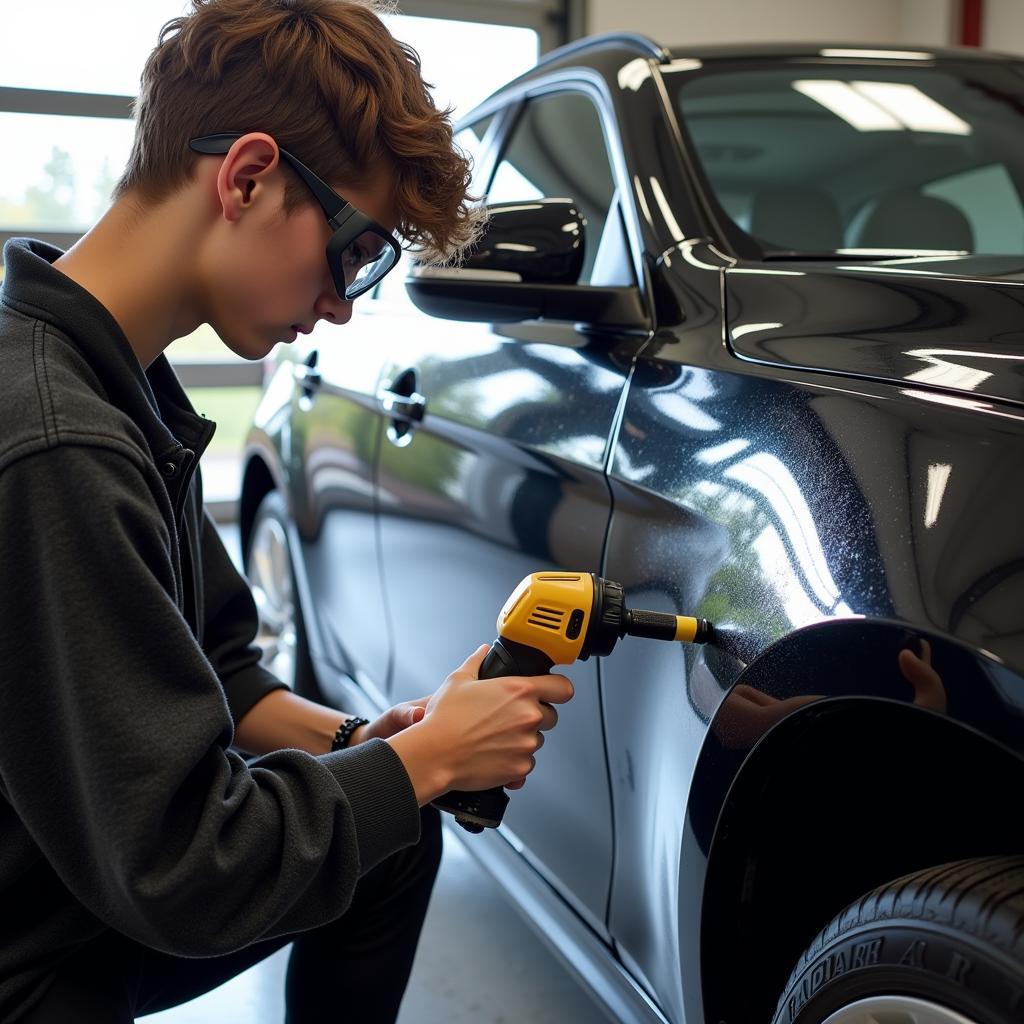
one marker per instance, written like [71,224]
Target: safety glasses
[360,252]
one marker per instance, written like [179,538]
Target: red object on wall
[970,22]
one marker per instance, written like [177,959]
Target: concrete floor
[477,962]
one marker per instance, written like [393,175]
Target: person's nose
[330,307]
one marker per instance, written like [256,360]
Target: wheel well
[257,483]
[841,797]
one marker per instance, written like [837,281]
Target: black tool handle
[484,809]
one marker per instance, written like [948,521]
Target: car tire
[268,567]
[939,946]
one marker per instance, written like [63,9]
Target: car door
[337,425]
[335,432]
[494,467]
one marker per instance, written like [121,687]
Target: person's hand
[747,714]
[929,691]
[510,715]
[476,734]
[394,720]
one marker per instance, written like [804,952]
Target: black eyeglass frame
[348,221]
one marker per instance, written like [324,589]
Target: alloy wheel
[270,577]
[896,1010]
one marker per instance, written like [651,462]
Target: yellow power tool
[553,618]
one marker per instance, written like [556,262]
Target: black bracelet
[345,730]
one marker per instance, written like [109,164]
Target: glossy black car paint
[823,459]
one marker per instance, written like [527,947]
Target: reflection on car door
[336,431]
[504,475]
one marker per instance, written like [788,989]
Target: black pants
[353,969]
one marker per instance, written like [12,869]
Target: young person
[280,146]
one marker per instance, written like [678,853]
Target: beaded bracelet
[345,730]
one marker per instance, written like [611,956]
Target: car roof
[744,51]
[595,49]
[644,46]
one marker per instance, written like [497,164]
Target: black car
[746,335]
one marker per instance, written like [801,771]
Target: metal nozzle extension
[659,626]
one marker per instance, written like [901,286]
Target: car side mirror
[525,266]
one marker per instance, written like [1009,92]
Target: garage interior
[477,960]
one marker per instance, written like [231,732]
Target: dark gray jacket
[126,657]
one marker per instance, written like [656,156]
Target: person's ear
[246,173]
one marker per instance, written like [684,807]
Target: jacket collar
[153,398]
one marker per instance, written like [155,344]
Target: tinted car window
[558,151]
[987,198]
[818,159]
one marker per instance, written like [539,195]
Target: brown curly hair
[328,81]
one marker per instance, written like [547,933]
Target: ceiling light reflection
[744,329]
[634,74]
[778,571]
[721,452]
[686,249]
[684,412]
[642,199]
[762,270]
[769,476]
[938,477]
[960,403]
[917,110]
[929,253]
[933,255]
[846,103]
[666,210]
[882,106]
[943,373]
[883,54]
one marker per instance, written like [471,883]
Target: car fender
[824,773]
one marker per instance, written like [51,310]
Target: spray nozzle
[611,619]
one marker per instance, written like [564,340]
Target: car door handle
[308,376]
[408,408]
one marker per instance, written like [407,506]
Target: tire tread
[980,898]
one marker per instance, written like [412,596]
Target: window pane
[987,198]
[232,409]
[71,46]
[819,159]
[82,56]
[465,61]
[58,171]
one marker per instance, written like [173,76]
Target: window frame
[592,86]
[554,21]
[509,136]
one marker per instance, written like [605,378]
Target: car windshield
[815,159]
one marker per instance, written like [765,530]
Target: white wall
[1003,26]
[928,22]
